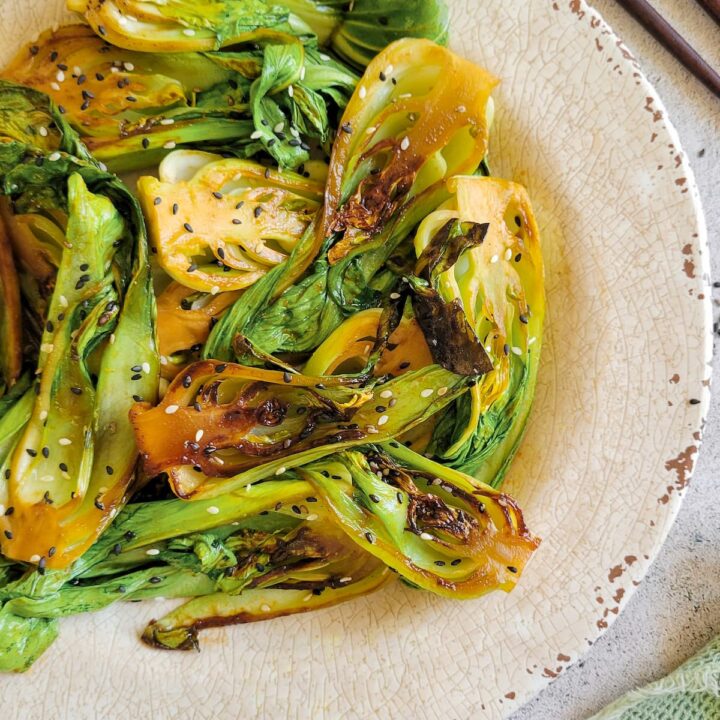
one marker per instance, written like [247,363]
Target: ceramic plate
[612,440]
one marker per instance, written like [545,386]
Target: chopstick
[712,8]
[664,33]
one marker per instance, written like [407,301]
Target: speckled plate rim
[697,412]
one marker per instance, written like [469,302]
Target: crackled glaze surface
[601,474]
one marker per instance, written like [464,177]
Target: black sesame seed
[61,109]
[8,535]
[295,142]
[221,253]
[221,368]
[154,580]
[197,468]
[101,29]
[287,377]
[98,503]
[320,386]
[137,398]
[259,567]
[63,467]
[346,127]
[84,267]
[47,499]
[117,549]
[175,209]
[81,79]
[85,105]
[370,537]
[311,499]
[383,77]
[236,221]
[457,561]
[9,511]
[296,509]
[109,470]
[34,50]
[187,381]
[130,535]
[52,551]
[136,376]
[99,76]
[305,146]
[136,368]
[75,390]
[440,563]
[380,409]
[240,204]
[694,401]
[131,98]
[518,257]
[41,565]
[217,195]
[404,365]
[398,495]
[46,452]
[512,569]
[374,498]
[157,201]
[192,267]
[31,452]
[258,211]
[188,227]
[121,589]
[506,349]
[196,406]
[146,143]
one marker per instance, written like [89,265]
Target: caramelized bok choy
[70,454]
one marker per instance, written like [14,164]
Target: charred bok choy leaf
[240,557]
[418,117]
[441,530]
[224,426]
[481,252]
[220,226]
[73,456]
[131,108]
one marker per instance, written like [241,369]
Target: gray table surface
[676,610]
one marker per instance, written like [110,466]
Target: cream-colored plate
[610,448]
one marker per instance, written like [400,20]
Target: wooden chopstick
[712,8]
[664,33]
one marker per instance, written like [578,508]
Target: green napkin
[692,692]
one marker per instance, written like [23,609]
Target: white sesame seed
[531,340]
[386,394]
[43,131]
[35,559]
[102,166]
[371,430]
[256,135]
[371,130]
[405,144]
[346,579]
[362,92]
[215,289]
[382,419]
[64,441]
[122,20]
[302,72]
[516,350]
[129,66]
[217,460]
[427,392]
[279,127]
[426,536]
[389,69]
[112,338]
[494,258]
[198,435]
[394,296]
[404,96]
[189,32]
[280,470]
[2,509]
[43,415]
[167,121]
[308,597]
[248,487]
[442,391]
[213,510]
[54,156]
[291,90]
[152,551]
[170,144]
[311,517]
[324,57]
[461,109]
[54,86]
[170,409]
[265,608]
[114,69]
[163,360]
[47,478]
[47,347]
[146,367]
[294,132]
[508,254]
[60,76]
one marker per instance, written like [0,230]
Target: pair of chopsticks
[664,33]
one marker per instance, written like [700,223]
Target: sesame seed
[280,470]
[382,77]
[54,156]
[170,409]
[265,608]
[362,92]
[47,347]
[426,393]
[405,144]
[128,66]
[167,121]
[43,131]
[152,551]
[461,109]
[213,510]
[35,559]
[517,350]
[346,127]
[258,211]
[512,569]
[215,289]
[531,340]
[508,254]
[291,90]
[370,537]
[188,227]
[426,536]
[189,32]
[256,135]
[371,429]
[64,441]
[386,394]
[175,208]
[382,419]
[169,145]
[395,296]
[692,401]
[60,76]
[494,258]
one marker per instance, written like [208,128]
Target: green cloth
[692,692]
